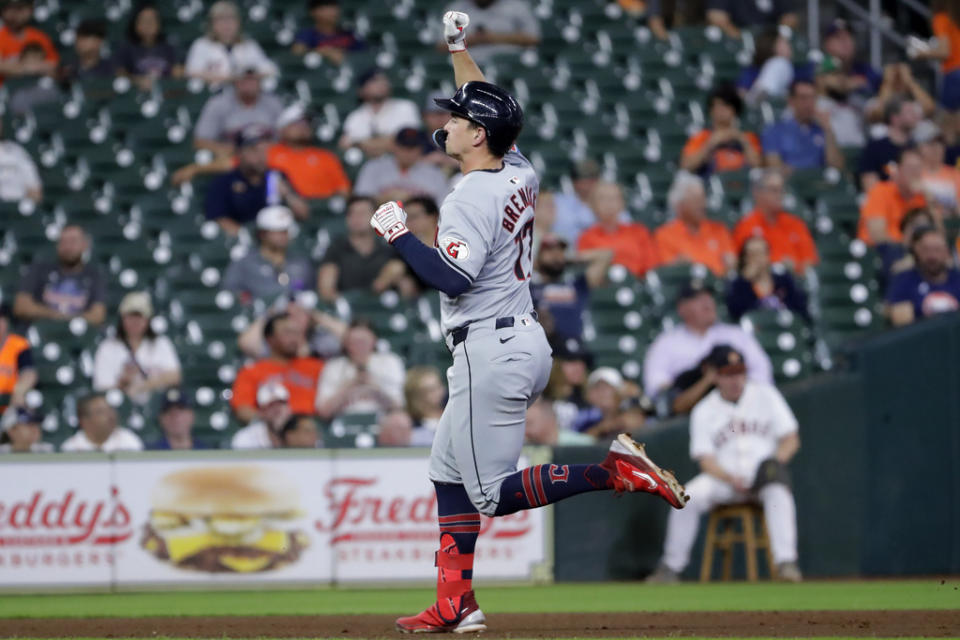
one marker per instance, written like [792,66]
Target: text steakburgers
[225,519]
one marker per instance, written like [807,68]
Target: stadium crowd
[262,170]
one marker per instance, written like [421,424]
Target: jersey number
[526,233]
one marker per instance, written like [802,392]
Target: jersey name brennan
[486,234]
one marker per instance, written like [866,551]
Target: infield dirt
[787,624]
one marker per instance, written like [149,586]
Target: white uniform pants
[707,492]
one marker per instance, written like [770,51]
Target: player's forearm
[787,448]
[430,267]
[465,69]
[709,465]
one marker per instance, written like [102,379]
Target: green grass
[590,597]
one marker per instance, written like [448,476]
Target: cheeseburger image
[225,519]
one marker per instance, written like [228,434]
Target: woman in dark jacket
[759,286]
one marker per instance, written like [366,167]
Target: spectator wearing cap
[724,146]
[684,346]
[690,237]
[403,173]
[731,16]
[270,272]
[17,372]
[888,201]
[88,61]
[135,359]
[363,380]
[176,421]
[357,261]
[787,235]
[314,172]
[568,378]
[236,197]
[499,27]
[573,212]
[99,430]
[804,139]
[631,242]
[929,288]
[424,396]
[326,35]
[239,108]
[223,50]
[273,411]
[854,77]
[610,411]
[373,125]
[760,285]
[941,182]
[742,435]
[300,432]
[16,34]
[20,432]
[19,178]
[284,364]
[145,54]
[67,288]
[560,294]
[901,117]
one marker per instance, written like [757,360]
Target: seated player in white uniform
[743,434]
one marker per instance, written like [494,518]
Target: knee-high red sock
[459,528]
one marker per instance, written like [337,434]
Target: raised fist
[454,30]
[390,221]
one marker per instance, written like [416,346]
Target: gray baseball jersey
[486,234]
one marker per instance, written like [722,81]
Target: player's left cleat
[465,618]
[631,470]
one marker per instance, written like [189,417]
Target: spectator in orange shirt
[941,182]
[16,34]
[723,147]
[314,172]
[887,202]
[946,28]
[790,241]
[690,237]
[631,243]
[297,373]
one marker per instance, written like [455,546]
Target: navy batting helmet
[490,107]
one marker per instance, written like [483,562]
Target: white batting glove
[390,221]
[454,30]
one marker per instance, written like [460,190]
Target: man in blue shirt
[804,140]
[176,420]
[236,197]
[931,287]
[560,295]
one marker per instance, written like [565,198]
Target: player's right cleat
[468,618]
[631,470]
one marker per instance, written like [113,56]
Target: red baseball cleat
[631,470]
[465,618]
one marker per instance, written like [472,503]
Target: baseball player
[481,263]
[743,434]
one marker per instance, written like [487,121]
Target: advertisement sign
[163,520]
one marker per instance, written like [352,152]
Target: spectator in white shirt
[136,360]
[363,380]
[404,173]
[373,125]
[681,349]
[99,430]
[273,403]
[216,56]
[19,178]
